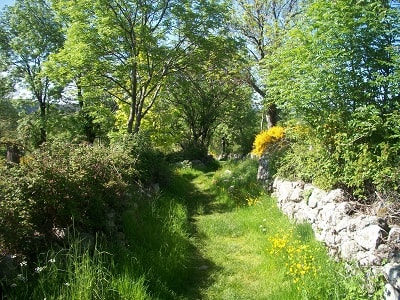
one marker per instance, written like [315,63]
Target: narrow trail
[230,246]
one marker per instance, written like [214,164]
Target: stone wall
[347,233]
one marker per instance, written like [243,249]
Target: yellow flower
[266,138]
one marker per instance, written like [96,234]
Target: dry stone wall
[348,234]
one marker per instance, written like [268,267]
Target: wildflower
[52,260]
[39,269]
[66,283]
[23,263]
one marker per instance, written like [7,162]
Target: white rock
[316,197]
[296,194]
[335,196]
[394,235]
[369,237]
[390,293]
[349,249]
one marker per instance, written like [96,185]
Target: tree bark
[13,153]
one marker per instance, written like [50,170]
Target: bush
[306,158]
[266,139]
[59,185]
[362,157]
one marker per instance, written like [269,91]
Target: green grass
[207,235]
[80,272]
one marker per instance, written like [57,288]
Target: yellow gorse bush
[266,138]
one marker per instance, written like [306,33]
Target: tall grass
[81,271]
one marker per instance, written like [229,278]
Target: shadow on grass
[197,201]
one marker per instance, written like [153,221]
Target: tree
[128,48]
[339,58]
[207,92]
[261,24]
[29,34]
[336,75]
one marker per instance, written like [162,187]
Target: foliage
[235,183]
[265,139]
[261,24]
[152,42]
[8,121]
[305,158]
[237,129]
[148,255]
[157,237]
[59,185]
[158,254]
[30,33]
[341,66]
[208,93]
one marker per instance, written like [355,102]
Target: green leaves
[335,72]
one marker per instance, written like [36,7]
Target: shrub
[266,139]
[306,158]
[59,185]
[150,164]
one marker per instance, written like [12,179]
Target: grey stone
[369,237]
[390,293]
[394,235]
[348,249]
[367,258]
[316,197]
[392,274]
[336,195]
[296,194]
[327,215]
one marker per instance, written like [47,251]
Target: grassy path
[246,248]
[233,242]
[231,238]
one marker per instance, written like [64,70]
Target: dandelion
[301,261]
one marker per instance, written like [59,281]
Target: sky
[6,2]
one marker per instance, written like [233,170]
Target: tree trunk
[13,153]
[43,135]
[272,115]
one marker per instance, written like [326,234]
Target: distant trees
[29,34]
[207,92]
[117,59]
[262,24]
